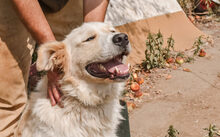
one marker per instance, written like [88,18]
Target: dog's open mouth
[112,69]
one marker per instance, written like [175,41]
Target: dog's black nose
[120,40]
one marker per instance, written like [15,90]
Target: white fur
[91,105]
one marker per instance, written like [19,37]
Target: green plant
[213,131]
[208,3]
[197,47]
[155,53]
[189,59]
[170,45]
[180,54]
[172,132]
[190,5]
[197,44]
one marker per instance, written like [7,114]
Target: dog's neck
[88,93]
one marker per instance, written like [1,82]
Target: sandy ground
[189,100]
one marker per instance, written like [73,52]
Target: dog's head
[93,51]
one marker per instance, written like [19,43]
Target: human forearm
[94,10]
[33,18]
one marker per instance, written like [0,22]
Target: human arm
[94,10]
[34,20]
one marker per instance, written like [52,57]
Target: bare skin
[94,10]
[34,19]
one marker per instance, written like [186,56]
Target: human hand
[53,88]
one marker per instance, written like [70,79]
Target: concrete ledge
[177,24]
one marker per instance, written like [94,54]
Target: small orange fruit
[179,60]
[187,70]
[170,60]
[138,94]
[197,17]
[140,81]
[135,87]
[202,53]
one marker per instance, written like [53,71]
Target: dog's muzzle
[113,68]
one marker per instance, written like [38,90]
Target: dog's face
[94,51]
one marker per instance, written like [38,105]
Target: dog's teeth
[102,67]
[129,65]
[116,70]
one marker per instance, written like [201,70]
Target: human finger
[50,93]
[56,93]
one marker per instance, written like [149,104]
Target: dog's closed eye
[90,38]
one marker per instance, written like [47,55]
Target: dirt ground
[189,101]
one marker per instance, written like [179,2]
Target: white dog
[93,74]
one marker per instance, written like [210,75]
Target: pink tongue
[122,69]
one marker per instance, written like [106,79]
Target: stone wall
[124,11]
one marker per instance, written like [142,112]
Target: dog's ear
[52,55]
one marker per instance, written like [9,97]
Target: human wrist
[44,36]
[45,39]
